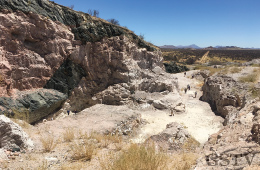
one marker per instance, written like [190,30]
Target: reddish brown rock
[32,48]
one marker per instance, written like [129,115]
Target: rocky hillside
[44,45]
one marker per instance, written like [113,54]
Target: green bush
[172,67]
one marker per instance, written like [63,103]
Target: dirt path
[199,119]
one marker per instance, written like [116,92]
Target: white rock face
[12,135]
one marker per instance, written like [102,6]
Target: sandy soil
[199,119]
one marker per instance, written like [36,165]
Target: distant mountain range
[181,46]
[194,46]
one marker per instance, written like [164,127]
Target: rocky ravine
[236,145]
[39,53]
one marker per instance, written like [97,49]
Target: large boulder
[32,106]
[172,138]
[12,135]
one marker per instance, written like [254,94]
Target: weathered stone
[84,27]
[173,137]
[32,106]
[221,91]
[158,104]
[12,135]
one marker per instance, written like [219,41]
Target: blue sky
[183,22]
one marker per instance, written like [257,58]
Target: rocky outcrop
[37,51]
[172,138]
[84,27]
[114,60]
[236,145]
[32,48]
[12,135]
[32,106]
[223,94]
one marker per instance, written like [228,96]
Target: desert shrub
[215,62]
[255,92]
[82,151]
[138,157]
[172,67]
[68,135]
[94,12]
[113,21]
[48,143]
[190,60]
[141,36]
[250,78]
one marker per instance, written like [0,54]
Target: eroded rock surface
[236,145]
[12,135]
[32,106]
[172,138]
[36,52]
[223,94]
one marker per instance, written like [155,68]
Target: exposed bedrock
[12,136]
[224,94]
[38,53]
[84,27]
[32,105]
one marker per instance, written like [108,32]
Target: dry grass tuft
[69,135]
[250,78]
[104,140]
[235,70]
[183,161]
[48,143]
[43,166]
[191,144]
[82,151]
[72,166]
[137,157]
[254,91]
[21,123]
[4,164]
[212,70]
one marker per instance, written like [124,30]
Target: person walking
[185,73]
[195,94]
[68,112]
[172,114]
[188,87]
[185,90]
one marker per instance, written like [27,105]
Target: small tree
[141,36]
[95,13]
[71,6]
[90,12]
[113,21]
